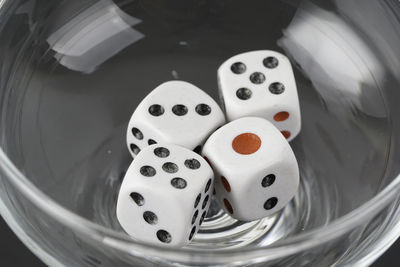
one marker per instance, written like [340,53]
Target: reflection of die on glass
[261,84]
[165,195]
[256,172]
[175,112]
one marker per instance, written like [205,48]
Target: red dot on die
[226,184]
[228,206]
[286,134]
[246,143]
[281,116]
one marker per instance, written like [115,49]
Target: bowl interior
[81,67]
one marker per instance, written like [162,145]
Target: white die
[256,172]
[165,195]
[261,84]
[156,121]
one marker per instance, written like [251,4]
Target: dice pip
[175,112]
[165,195]
[261,84]
[256,172]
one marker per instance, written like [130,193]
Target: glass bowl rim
[121,241]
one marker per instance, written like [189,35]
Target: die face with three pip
[175,112]
[256,172]
[165,195]
[261,84]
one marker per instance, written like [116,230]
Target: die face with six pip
[256,172]
[165,195]
[261,84]
[175,112]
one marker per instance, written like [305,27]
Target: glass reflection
[341,66]
[93,36]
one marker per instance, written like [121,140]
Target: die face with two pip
[175,112]
[256,172]
[261,84]
[165,195]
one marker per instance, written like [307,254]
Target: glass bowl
[72,72]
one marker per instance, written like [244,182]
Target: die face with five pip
[261,84]
[256,172]
[175,112]
[165,195]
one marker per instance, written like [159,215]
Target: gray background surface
[14,253]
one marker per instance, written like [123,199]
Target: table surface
[14,253]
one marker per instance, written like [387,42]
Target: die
[175,112]
[261,84]
[256,171]
[165,195]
